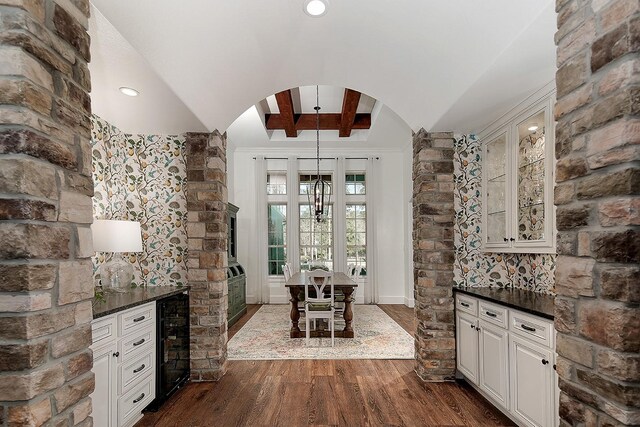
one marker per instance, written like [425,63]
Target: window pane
[306,183]
[316,239]
[276,183]
[356,234]
[355,184]
[277,238]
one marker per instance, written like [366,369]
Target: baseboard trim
[409,302]
[391,300]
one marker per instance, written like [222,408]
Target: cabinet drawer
[133,371]
[532,327]
[131,404]
[134,344]
[493,314]
[467,304]
[136,318]
[103,329]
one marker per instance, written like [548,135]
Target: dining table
[341,283]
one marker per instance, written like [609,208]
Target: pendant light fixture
[320,198]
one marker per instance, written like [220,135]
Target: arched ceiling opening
[438,65]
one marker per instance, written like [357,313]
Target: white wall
[389,228]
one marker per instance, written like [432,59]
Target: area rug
[266,337]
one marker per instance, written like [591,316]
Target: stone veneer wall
[472,266]
[598,211]
[207,260]
[433,255]
[46,288]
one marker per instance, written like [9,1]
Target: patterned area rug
[266,337]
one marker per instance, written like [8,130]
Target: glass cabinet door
[496,195]
[530,173]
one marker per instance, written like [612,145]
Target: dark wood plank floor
[326,392]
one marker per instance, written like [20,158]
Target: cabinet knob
[473,326]
[506,240]
[116,354]
[512,239]
[545,362]
[478,329]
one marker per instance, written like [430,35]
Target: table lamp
[116,236]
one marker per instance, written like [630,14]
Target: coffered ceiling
[442,65]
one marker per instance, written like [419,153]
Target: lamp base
[116,274]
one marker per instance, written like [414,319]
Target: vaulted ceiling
[442,65]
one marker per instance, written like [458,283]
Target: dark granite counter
[115,302]
[527,301]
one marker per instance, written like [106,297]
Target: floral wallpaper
[143,178]
[472,267]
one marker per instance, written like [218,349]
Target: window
[355,184]
[307,181]
[277,238]
[356,227]
[276,183]
[316,239]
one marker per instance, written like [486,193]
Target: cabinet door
[104,369]
[534,184]
[494,366]
[467,345]
[496,194]
[531,373]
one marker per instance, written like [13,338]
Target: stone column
[598,211]
[46,285]
[207,261]
[433,255]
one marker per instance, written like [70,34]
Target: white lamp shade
[116,236]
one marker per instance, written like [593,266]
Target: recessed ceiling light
[129,91]
[316,8]
[533,128]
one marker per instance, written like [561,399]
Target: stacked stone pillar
[207,263]
[598,211]
[433,255]
[46,284]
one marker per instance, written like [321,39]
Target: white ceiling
[442,65]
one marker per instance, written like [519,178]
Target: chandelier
[320,197]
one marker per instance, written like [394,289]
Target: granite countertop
[527,301]
[115,302]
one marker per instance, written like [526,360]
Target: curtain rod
[321,158]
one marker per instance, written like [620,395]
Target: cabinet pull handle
[554,367]
[464,304]
[139,398]
[116,354]
[490,314]
[545,362]
[528,328]
[135,344]
[135,371]
[139,319]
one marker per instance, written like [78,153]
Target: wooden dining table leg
[295,314]
[348,313]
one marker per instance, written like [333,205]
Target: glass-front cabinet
[517,183]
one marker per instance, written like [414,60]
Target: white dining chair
[319,303]
[286,269]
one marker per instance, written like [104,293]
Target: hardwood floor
[326,392]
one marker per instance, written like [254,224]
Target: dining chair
[319,297]
[286,269]
[353,271]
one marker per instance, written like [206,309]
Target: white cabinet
[532,382]
[124,365]
[494,365]
[508,356]
[467,345]
[517,182]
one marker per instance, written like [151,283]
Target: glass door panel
[496,168]
[530,170]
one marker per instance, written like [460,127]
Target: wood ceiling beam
[285,105]
[349,106]
[328,121]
